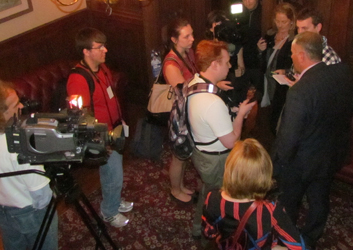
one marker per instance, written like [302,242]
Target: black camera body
[68,137]
[228,31]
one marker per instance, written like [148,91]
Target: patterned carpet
[157,222]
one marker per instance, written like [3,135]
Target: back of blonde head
[248,171]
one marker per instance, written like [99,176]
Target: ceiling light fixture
[67,4]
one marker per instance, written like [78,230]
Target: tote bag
[160,101]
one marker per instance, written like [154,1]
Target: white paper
[110,92]
[281,79]
[126,129]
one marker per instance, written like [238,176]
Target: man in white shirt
[23,198]
[210,121]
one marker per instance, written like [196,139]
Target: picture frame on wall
[14,8]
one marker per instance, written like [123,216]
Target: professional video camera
[228,31]
[68,137]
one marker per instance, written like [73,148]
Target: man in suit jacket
[313,138]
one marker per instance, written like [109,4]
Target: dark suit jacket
[314,134]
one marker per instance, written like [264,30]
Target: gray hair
[311,42]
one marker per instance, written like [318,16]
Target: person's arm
[37,185]
[293,123]
[209,227]
[228,140]
[241,66]
[172,74]
[41,197]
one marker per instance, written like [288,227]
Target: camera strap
[185,63]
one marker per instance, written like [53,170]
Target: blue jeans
[19,228]
[111,178]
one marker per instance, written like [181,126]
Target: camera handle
[65,186]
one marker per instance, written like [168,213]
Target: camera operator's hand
[109,149]
[224,85]
[262,44]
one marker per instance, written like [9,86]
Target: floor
[89,180]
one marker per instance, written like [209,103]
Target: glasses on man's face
[101,47]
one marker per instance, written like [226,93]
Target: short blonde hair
[248,171]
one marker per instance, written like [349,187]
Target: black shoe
[180,201]
[196,237]
[195,197]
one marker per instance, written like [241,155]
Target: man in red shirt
[90,43]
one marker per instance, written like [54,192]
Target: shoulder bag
[160,100]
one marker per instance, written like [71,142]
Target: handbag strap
[160,72]
[244,219]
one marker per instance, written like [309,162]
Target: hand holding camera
[262,44]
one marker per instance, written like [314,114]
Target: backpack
[181,140]
[89,79]
[148,140]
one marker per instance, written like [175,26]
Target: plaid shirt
[329,56]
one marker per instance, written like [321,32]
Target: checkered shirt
[329,56]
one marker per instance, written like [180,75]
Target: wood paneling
[134,29]
[42,45]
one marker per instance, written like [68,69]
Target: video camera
[228,31]
[68,137]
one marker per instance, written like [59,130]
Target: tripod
[64,185]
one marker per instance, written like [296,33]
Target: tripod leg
[95,230]
[47,220]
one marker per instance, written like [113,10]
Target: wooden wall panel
[53,41]
[126,46]
[125,32]
[349,41]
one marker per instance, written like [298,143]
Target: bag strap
[89,79]
[160,72]
[244,220]
[182,59]
[200,87]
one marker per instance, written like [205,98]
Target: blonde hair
[248,171]
[288,10]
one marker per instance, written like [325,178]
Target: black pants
[317,193]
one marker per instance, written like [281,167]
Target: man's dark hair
[215,16]
[85,38]
[307,13]
[311,42]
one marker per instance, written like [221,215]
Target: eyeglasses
[101,47]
